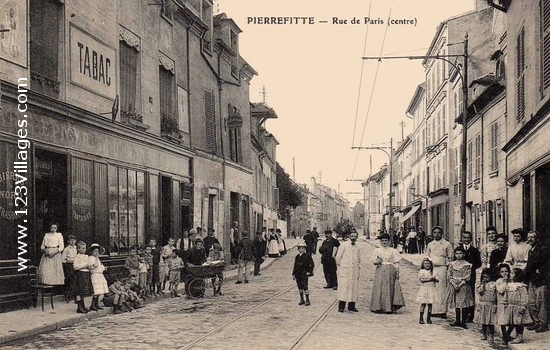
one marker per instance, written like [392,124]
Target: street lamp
[464,80]
[390,157]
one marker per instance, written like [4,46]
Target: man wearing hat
[315,236]
[209,240]
[328,251]
[309,241]
[246,255]
[518,252]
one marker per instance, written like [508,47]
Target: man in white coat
[348,260]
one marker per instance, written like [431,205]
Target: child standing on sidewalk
[516,311]
[147,257]
[174,264]
[99,282]
[485,312]
[426,291]
[303,269]
[82,282]
[67,258]
[459,292]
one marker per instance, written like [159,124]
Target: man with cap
[309,241]
[328,251]
[234,237]
[209,240]
[518,251]
[315,236]
[348,260]
[259,252]
[246,255]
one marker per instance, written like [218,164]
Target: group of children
[499,302]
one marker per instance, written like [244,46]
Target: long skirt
[282,247]
[99,283]
[82,284]
[386,290]
[440,305]
[50,270]
[273,249]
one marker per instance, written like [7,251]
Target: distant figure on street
[273,246]
[421,238]
[386,295]
[315,235]
[234,237]
[303,269]
[328,250]
[259,253]
[309,240]
[293,234]
[412,242]
[282,243]
[440,251]
[348,260]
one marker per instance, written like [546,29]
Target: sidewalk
[533,341]
[21,324]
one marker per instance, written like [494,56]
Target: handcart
[200,277]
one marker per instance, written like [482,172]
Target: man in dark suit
[328,251]
[309,241]
[473,256]
[537,275]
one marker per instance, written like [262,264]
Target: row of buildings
[508,110]
[132,120]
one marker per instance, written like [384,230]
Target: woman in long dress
[50,270]
[273,248]
[282,243]
[386,291]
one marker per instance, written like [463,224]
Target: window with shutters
[477,150]
[44,27]
[129,57]
[470,160]
[444,171]
[235,144]
[169,122]
[437,125]
[545,50]
[209,116]
[520,68]
[443,119]
[493,155]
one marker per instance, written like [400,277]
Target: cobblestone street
[179,323]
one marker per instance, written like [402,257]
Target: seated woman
[216,254]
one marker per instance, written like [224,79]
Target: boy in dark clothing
[303,269]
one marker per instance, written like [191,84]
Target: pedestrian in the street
[50,270]
[348,260]
[234,238]
[487,248]
[315,236]
[156,287]
[514,311]
[328,250]
[537,275]
[473,256]
[246,256]
[82,281]
[459,294]
[259,252]
[309,241]
[67,258]
[216,255]
[386,296]
[273,247]
[485,313]
[498,255]
[282,243]
[294,234]
[175,264]
[302,270]
[99,282]
[426,291]
[421,239]
[412,241]
[440,251]
[519,250]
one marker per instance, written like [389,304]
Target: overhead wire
[372,92]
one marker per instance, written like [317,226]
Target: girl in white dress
[50,270]
[99,282]
[426,291]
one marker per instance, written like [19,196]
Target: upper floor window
[209,116]
[493,155]
[129,80]
[520,75]
[545,42]
[234,123]
[167,91]
[44,46]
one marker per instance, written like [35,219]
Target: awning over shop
[409,214]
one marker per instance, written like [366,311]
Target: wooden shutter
[520,67]
[545,18]
[209,120]
[128,77]
[494,149]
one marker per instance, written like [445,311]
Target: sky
[327,98]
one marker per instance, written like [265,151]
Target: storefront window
[141,208]
[123,215]
[113,210]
